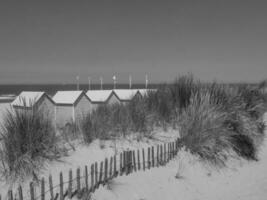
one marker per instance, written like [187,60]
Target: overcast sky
[53,41]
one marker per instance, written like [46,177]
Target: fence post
[144,164]
[101,173]
[92,177]
[130,164]
[115,166]
[106,170]
[110,167]
[20,193]
[51,187]
[127,162]
[134,162]
[96,176]
[61,195]
[161,154]
[10,195]
[120,163]
[86,178]
[32,190]
[78,180]
[173,149]
[43,189]
[124,161]
[70,184]
[138,159]
[148,157]
[165,154]
[152,156]
[168,154]
[157,155]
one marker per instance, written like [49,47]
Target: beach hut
[71,106]
[99,97]
[28,100]
[144,92]
[126,95]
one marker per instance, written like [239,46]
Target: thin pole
[130,82]
[101,83]
[78,84]
[89,83]
[114,82]
[146,81]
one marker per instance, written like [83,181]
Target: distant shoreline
[52,88]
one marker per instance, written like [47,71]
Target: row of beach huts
[70,106]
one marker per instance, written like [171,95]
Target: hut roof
[27,99]
[67,97]
[98,95]
[125,94]
[143,92]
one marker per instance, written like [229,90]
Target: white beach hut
[144,92]
[70,106]
[126,95]
[28,100]
[99,97]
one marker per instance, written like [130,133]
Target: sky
[54,41]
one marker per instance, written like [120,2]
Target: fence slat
[106,170]
[148,157]
[110,167]
[129,162]
[61,195]
[10,195]
[86,177]
[101,173]
[92,177]
[126,165]
[115,173]
[144,164]
[32,191]
[70,184]
[96,175]
[134,162]
[161,154]
[20,193]
[138,159]
[43,189]
[168,152]
[51,187]
[152,156]
[157,156]
[120,163]
[78,173]
[164,154]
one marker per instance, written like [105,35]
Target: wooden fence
[97,174]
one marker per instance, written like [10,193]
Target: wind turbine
[89,83]
[114,82]
[78,82]
[130,81]
[101,83]
[146,81]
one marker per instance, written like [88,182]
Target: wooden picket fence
[125,163]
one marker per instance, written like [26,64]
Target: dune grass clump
[29,140]
[159,105]
[120,119]
[231,117]
[87,128]
[203,131]
[182,90]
